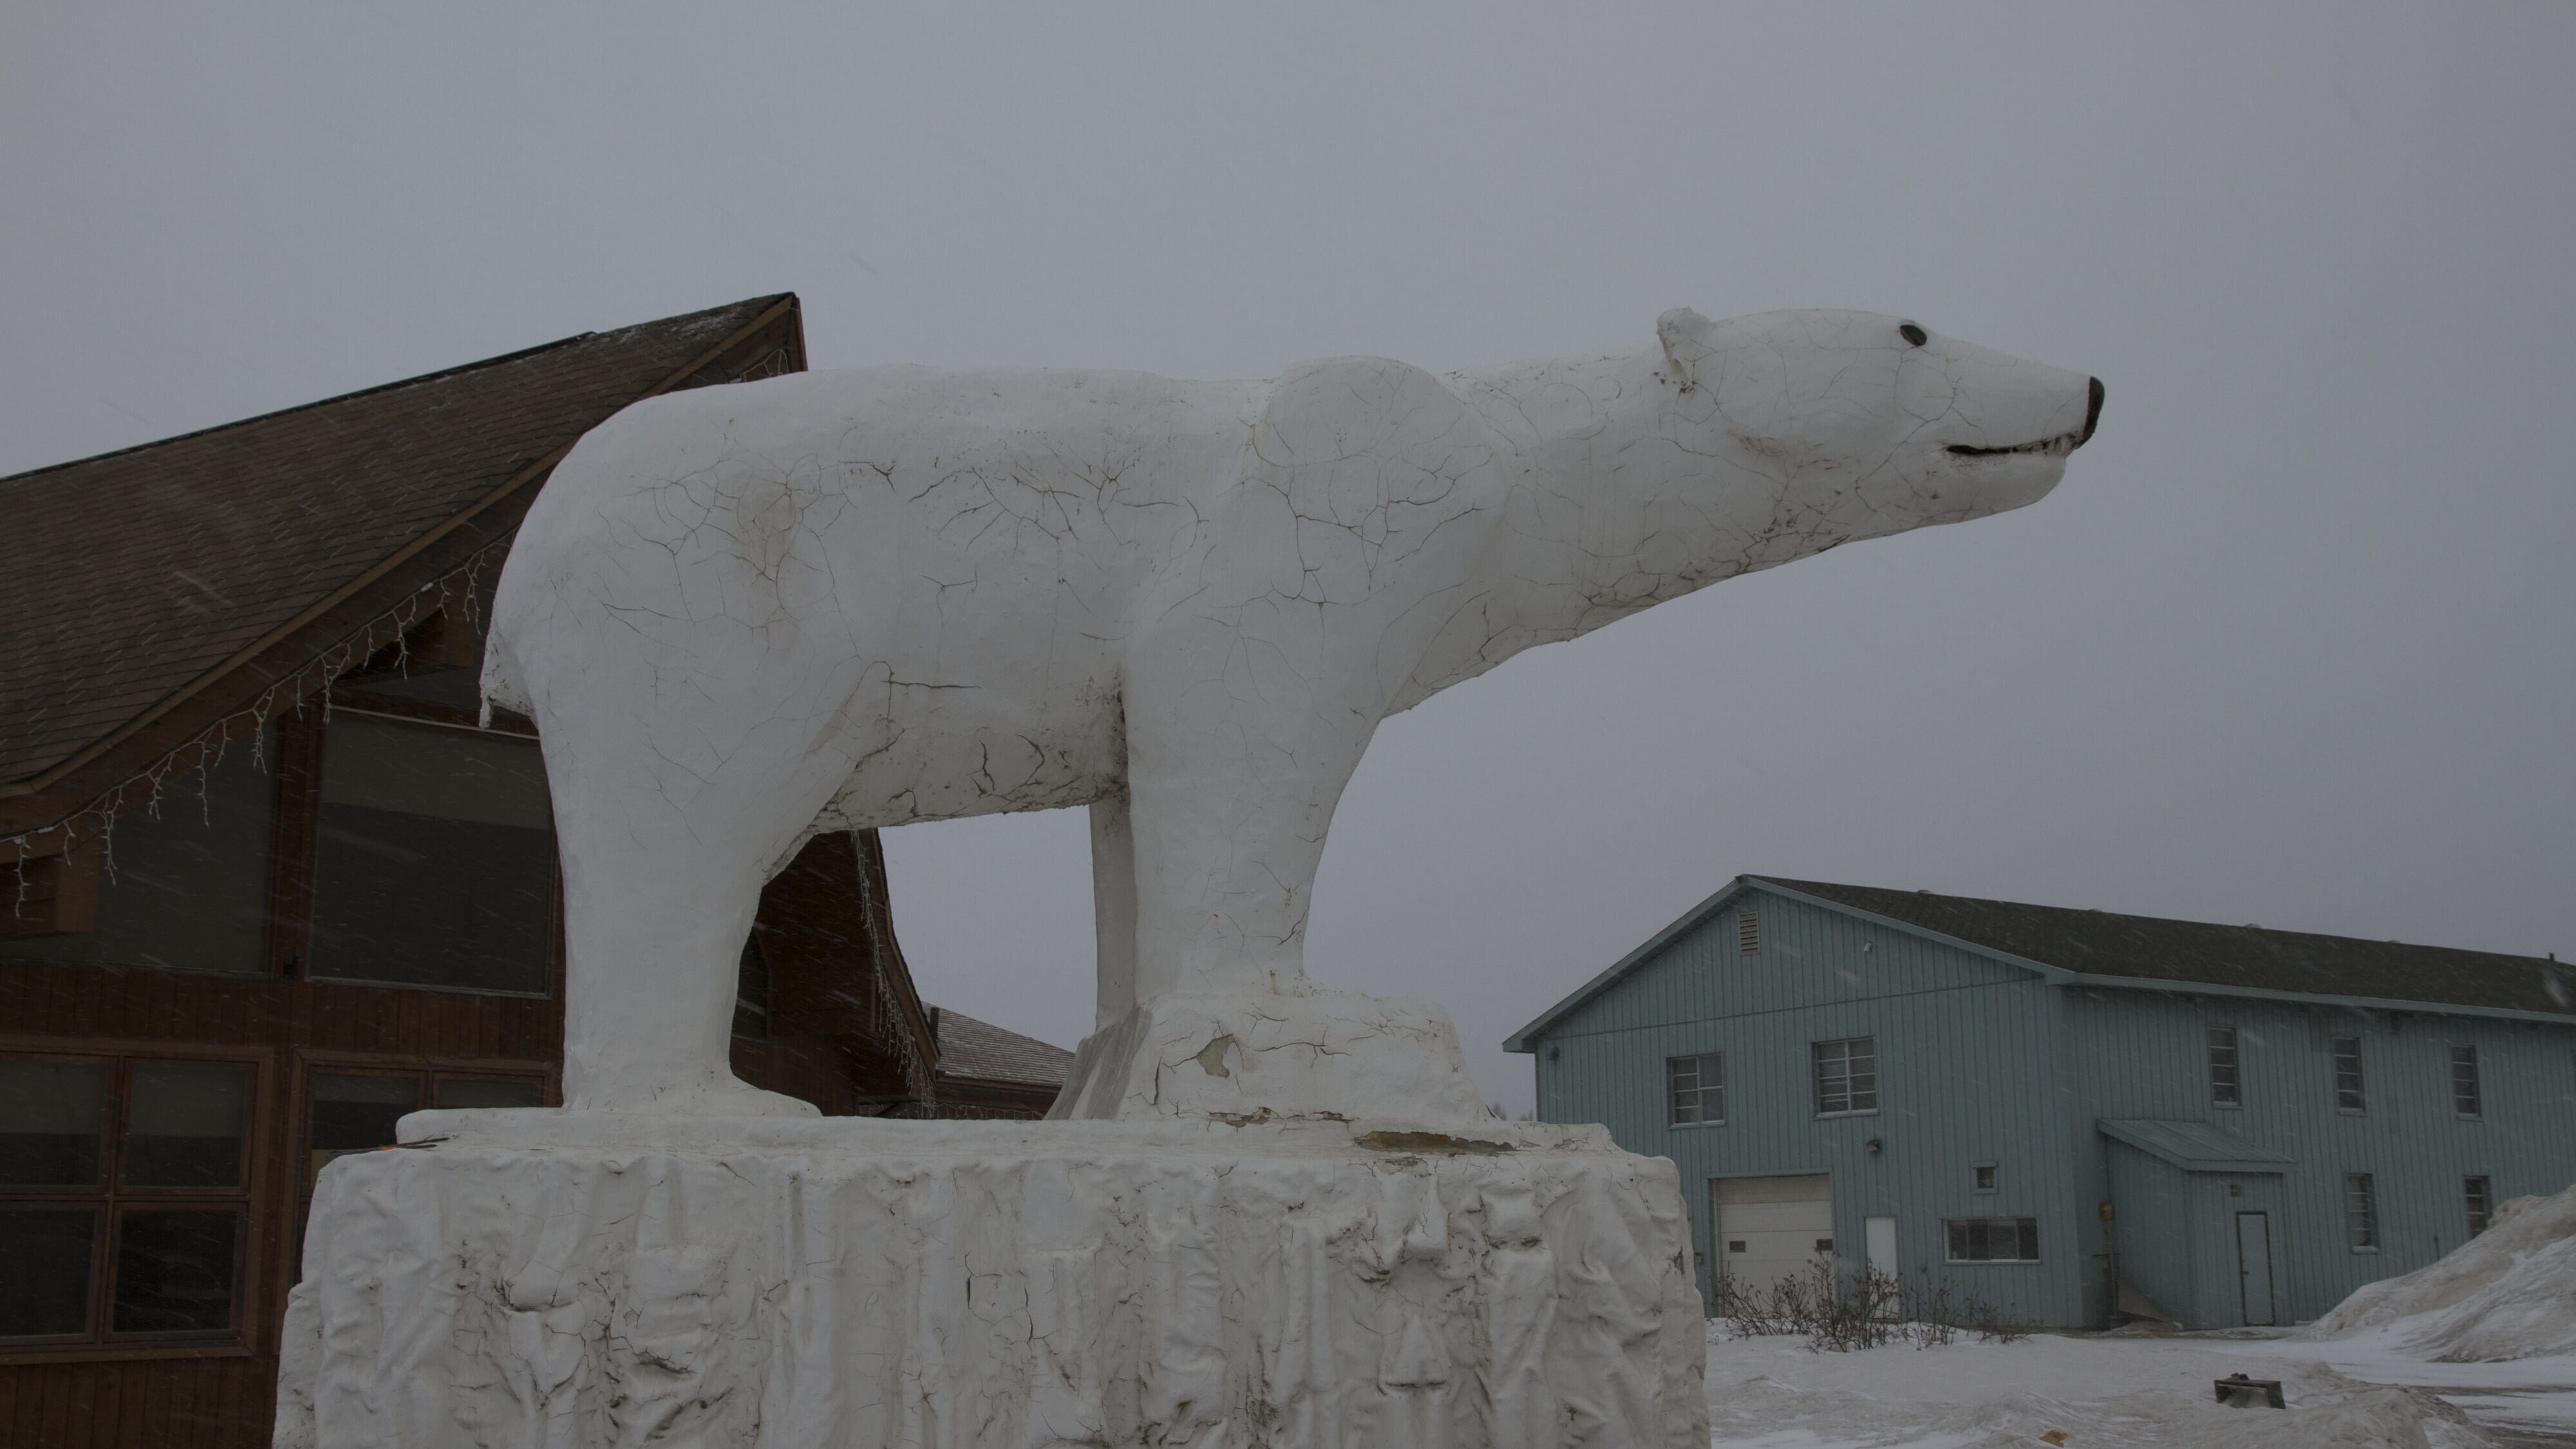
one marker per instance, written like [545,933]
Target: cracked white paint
[744,614]
[564,1279]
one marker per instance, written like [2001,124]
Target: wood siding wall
[217,1403]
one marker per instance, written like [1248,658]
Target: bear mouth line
[2056,447]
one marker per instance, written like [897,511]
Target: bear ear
[1685,338]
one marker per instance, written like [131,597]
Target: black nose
[2092,415]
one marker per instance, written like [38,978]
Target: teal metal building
[2065,1112]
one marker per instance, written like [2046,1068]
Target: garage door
[1769,1228]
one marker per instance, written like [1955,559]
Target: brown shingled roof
[155,591]
[978,1049]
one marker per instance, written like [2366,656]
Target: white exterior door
[1770,1228]
[1880,1236]
[2254,1267]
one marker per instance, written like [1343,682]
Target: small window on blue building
[2347,1073]
[1698,1087]
[2474,1193]
[1846,1076]
[2464,1081]
[2225,1085]
[1993,1240]
[2360,1212]
[1985,1177]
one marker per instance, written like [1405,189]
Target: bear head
[1871,424]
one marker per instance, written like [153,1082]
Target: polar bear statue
[743,615]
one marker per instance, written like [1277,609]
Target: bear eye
[1912,334]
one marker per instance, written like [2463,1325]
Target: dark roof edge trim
[444,372]
[2060,976]
[970,1079]
[2359,1003]
[1520,1041]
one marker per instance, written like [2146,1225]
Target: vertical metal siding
[1981,1062]
[2144,1057]
[2153,1229]
[1967,1074]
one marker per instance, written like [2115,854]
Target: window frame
[1702,1088]
[2351,1100]
[2465,1054]
[428,1071]
[2361,1212]
[2023,1227]
[1816,1057]
[109,1199]
[2227,1091]
[2477,1201]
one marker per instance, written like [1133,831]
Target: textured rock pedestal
[546,1278]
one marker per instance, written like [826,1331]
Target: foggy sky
[2291,644]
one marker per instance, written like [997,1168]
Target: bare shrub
[1837,1313]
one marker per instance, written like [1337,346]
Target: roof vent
[1748,934]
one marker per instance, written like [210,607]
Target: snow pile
[2508,1293]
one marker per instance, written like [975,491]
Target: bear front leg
[653,933]
[667,837]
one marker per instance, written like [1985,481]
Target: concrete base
[549,1278]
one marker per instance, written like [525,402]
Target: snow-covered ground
[2491,1327]
[2477,1349]
[1775,1393]
[2522,1401]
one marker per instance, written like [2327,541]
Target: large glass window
[2226,1086]
[1847,1075]
[1698,1088]
[184,881]
[123,1197]
[357,1111]
[437,858]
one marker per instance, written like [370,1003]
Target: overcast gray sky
[2291,645]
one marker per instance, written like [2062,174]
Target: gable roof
[2152,951]
[2191,1146]
[158,590]
[969,1047]
[2101,948]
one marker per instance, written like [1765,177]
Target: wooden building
[2069,1114]
[993,1072]
[267,884]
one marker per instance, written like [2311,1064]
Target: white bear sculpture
[742,615]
